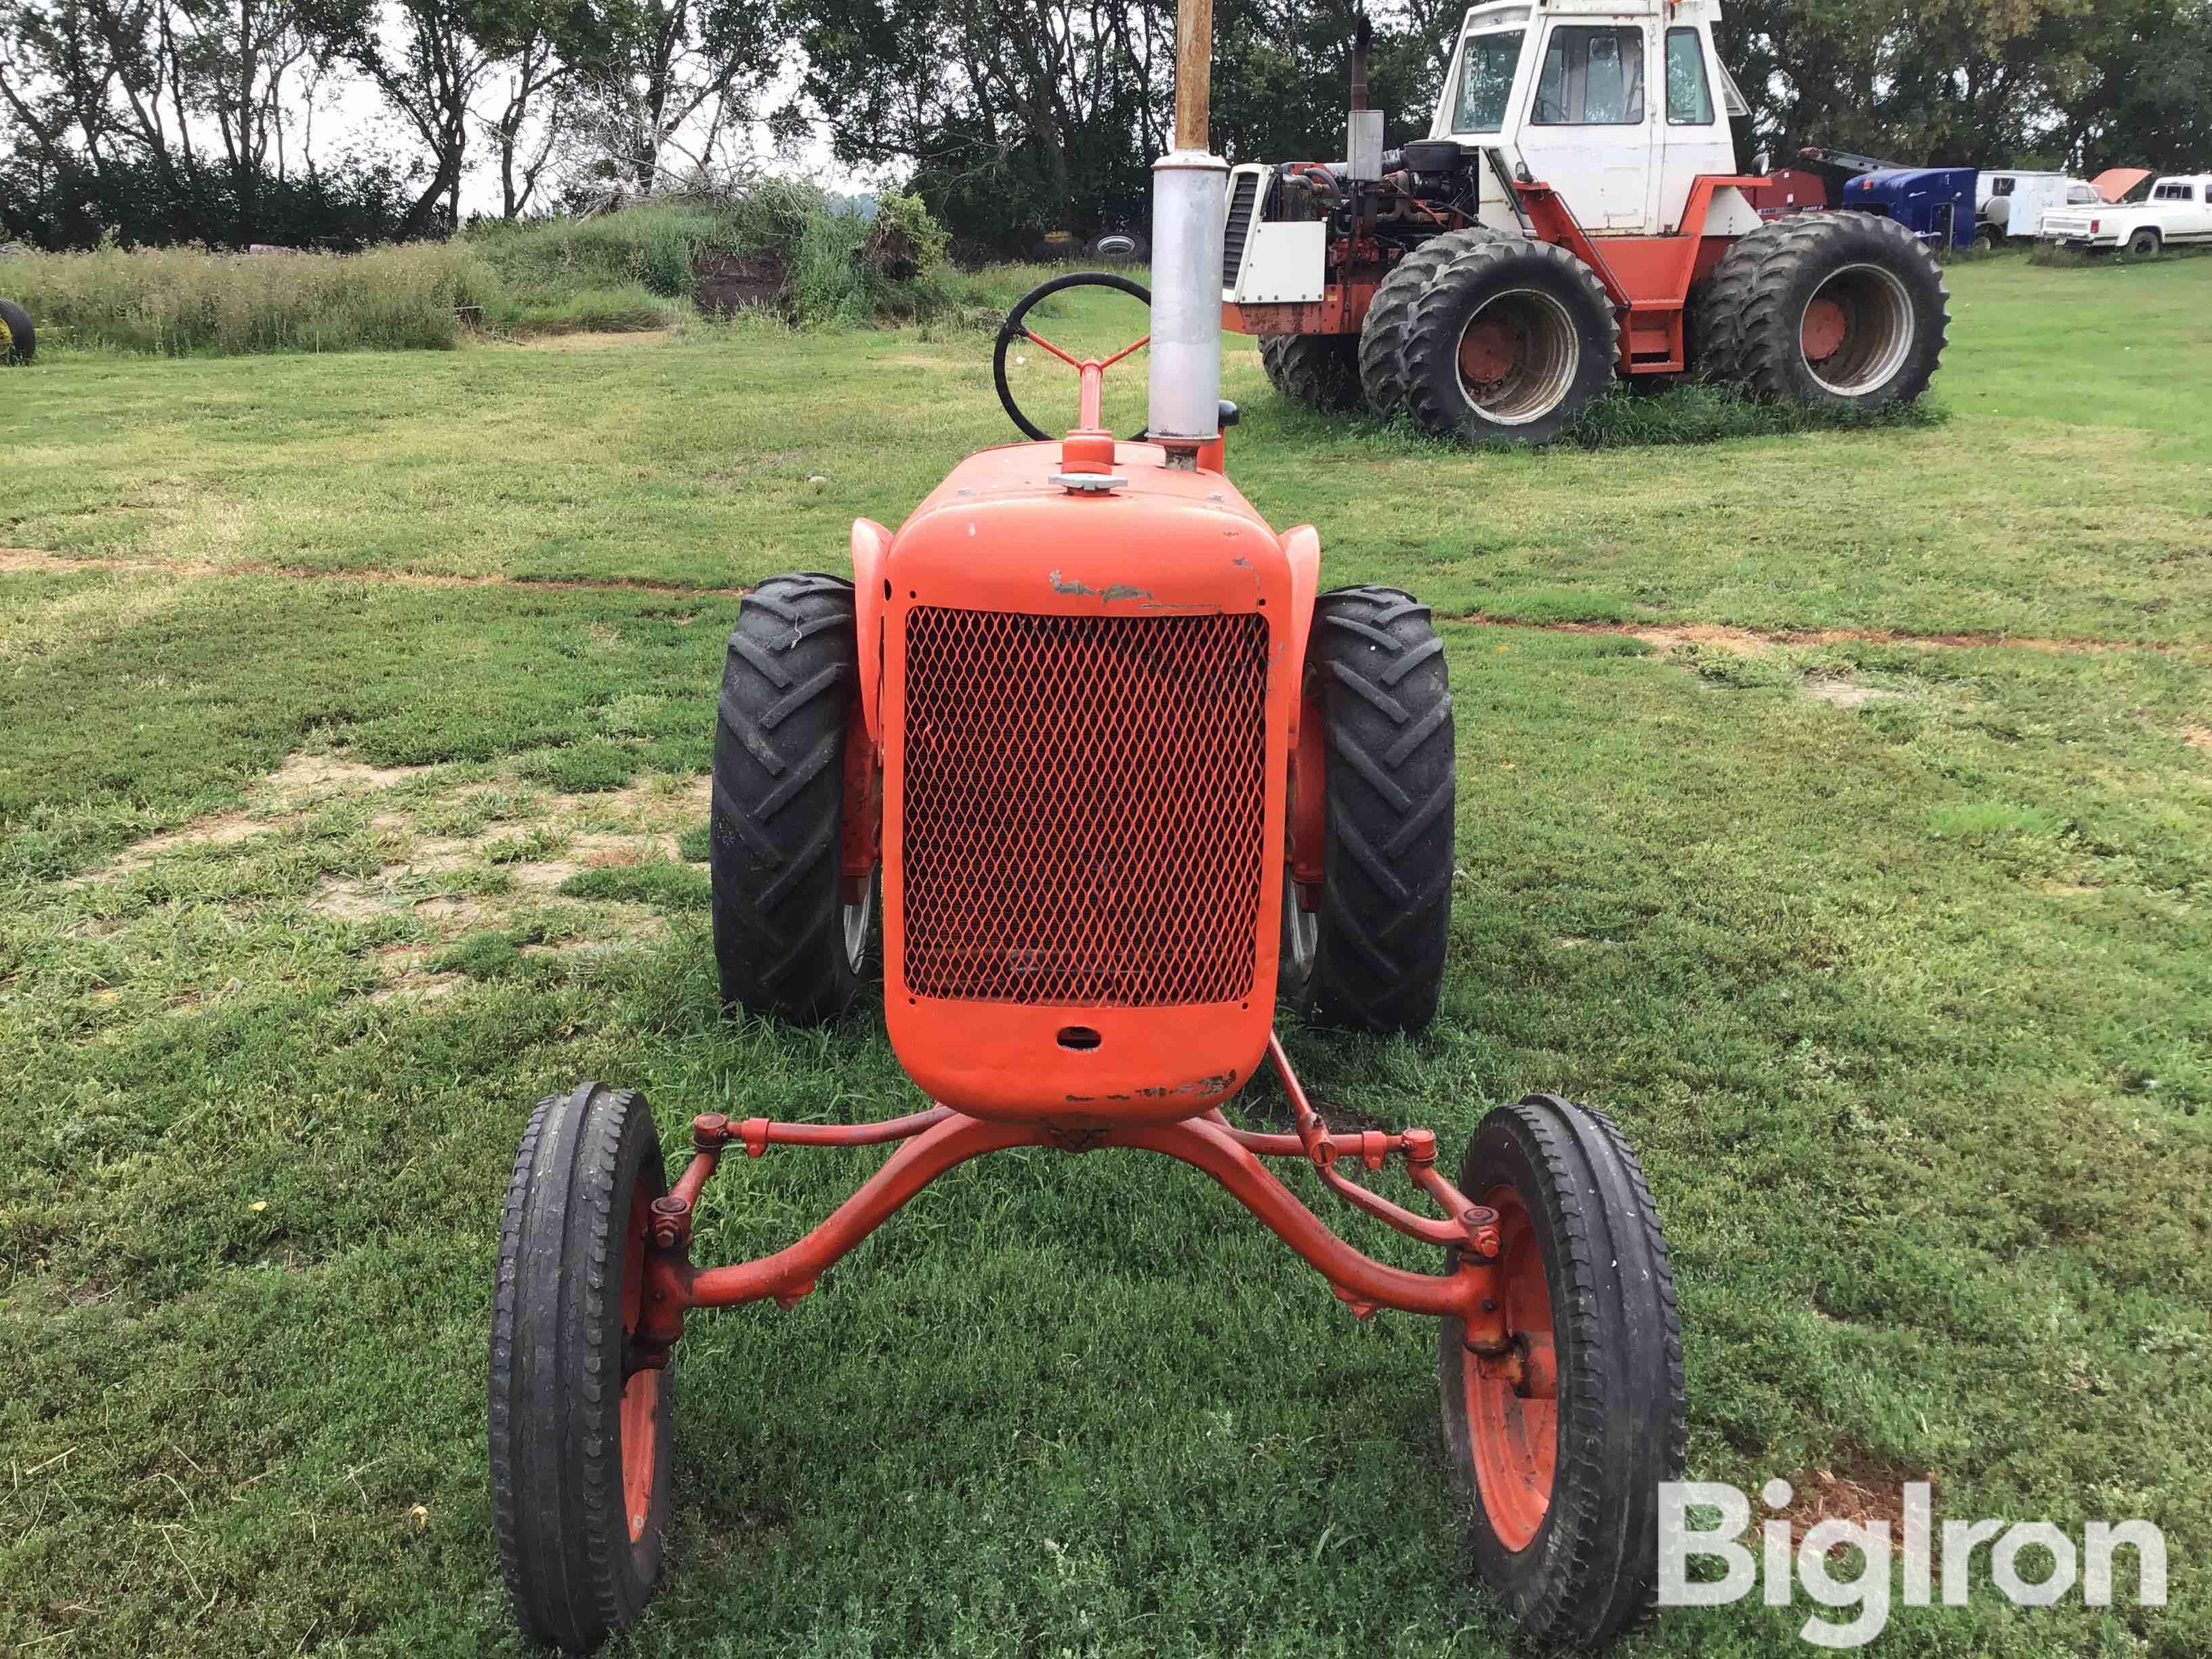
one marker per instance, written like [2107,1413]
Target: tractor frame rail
[940,1139]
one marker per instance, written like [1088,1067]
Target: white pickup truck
[2175,213]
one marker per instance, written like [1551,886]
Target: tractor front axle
[939,1139]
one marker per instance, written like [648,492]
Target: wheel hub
[1857,330]
[1516,357]
[1512,1405]
[1825,324]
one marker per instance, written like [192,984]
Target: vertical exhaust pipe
[1189,204]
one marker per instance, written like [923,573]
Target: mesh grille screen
[1082,809]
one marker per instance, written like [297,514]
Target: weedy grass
[1889,957]
[179,301]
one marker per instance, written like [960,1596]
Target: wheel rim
[1516,357]
[1857,330]
[853,919]
[641,1397]
[1301,928]
[1514,1439]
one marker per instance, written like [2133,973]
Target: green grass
[1901,994]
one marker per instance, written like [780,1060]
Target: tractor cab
[1618,106]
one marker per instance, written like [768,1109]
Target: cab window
[1689,98]
[1593,77]
[1485,81]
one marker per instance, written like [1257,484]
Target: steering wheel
[1092,369]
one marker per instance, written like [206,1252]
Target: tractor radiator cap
[1088,483]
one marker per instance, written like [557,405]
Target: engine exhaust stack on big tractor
[1083,764]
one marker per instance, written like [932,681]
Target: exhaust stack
[1188,206]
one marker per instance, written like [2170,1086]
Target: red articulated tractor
[1574,215]
[1119,778]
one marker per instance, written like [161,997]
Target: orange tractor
[1110,777]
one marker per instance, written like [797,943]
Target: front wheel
[1560,1444]
[581,1444]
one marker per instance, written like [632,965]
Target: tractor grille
[1082,809]
[1244,190]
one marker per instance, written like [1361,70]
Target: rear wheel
[792,928]
[1986,238]
[1369,955]
[1832,310]
[18,339]
[1559,1443]
[1319,370]
[581,1444]
[1508,343]
[2145,243]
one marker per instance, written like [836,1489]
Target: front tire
[582,1447]
[1509,344]
[1840,311]
[1390,315]
[19,341]
[1561,1474]
[1370,955]
[791,932]
[1320,371]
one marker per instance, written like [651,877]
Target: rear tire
[1562,1492]
[580,1450]
[1320,371]
[1510,343]
[789,940]
[1987,238]
[2145,244]
[1842,311]
[1390,316]
[19,341]
[1371,957]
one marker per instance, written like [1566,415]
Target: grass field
[1835,808]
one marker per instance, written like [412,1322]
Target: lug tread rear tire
[1383,336]
[788,687]
[1745,320]
[1387,820]
[559,1516]
[1428,358]
[1592,1568]
[1320,371]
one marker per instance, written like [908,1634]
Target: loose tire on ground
[581,1446]
[1371,957]
[790,938]
[1509,342]
[1128,246]
[1563,1492]
[1319,370]
[19,341]
[1383,336]
[1843,311]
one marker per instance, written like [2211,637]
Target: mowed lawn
[1894,958]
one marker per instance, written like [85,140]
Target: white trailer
[2012,204]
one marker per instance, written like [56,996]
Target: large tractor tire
[1508,343]
[1842,311]
[790,937]
[18,339]
[1319,370]
[1370,955]
[1390,315]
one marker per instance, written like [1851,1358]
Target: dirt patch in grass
[1845,695]
[1859,1488]
[1667,636]
[2197,737]
[593,339]
[728,283]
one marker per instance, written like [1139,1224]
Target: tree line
[195,120]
